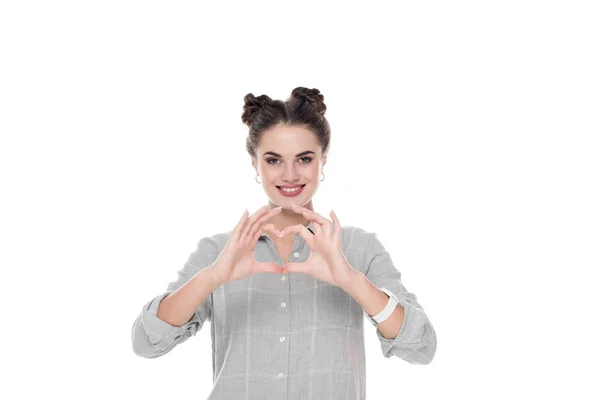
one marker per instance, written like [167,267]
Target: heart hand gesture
[326,262]
[236,261]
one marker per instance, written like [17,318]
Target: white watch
[387,311]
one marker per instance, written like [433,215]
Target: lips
[292,193]
[290,187]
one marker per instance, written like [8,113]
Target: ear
[254,163]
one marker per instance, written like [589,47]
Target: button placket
[283,304]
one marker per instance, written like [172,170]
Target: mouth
[290,187]
[293,191]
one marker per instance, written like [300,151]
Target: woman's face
[289,155]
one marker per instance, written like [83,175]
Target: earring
[323,176]
[256,179]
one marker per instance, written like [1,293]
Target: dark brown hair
[304,108]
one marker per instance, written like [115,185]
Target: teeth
[291,190]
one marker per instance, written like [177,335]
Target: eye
[306,160]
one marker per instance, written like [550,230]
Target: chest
[284,249]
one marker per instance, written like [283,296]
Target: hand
[326,261]
[236,261]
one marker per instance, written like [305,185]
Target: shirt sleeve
[416,341]
[152,337]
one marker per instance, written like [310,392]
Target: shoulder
[355,243]
[212,245]
[218,240]
[357,237]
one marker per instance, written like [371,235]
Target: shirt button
[280,374]
[283,277]
[296,254]
[282,339]
[283,304]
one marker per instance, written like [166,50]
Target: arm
[407,333]
[373,301]
[178,313]
[178,307]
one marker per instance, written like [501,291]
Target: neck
[288,217]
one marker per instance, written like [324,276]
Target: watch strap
[388,309]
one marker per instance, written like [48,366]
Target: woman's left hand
[326,262]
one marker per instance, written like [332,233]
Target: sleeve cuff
[410,338]
[162,334]
[404,338]
[401,337]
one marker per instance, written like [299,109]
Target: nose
[289,173]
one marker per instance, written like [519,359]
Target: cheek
[314,171]
[269,175]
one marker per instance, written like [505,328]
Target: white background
[464,133]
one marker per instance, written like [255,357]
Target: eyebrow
[297,155]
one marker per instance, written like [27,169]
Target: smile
[290,192]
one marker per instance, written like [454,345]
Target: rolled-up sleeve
[152,337]
[416,341]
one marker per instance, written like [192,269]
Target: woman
[287,289]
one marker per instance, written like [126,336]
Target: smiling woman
[287,290]
[288,143]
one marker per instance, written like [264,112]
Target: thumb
[270,267]
[292,267]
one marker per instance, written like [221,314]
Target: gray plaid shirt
[289,336]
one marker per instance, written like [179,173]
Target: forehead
[288,139]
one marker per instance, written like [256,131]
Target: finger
[268,267]
[239,226]
[314,216]
[265,228]
[301,230]
[244,228]
[337,227]
[305,268]
[293,267]
[269,228]
[322,223]
[256,236]
[257,225]
[317,227]
[250,222]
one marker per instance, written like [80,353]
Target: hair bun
[312,96]
[252,105]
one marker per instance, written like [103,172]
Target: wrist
[215,279]
[354,281]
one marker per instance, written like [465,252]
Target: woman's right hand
[236,261]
